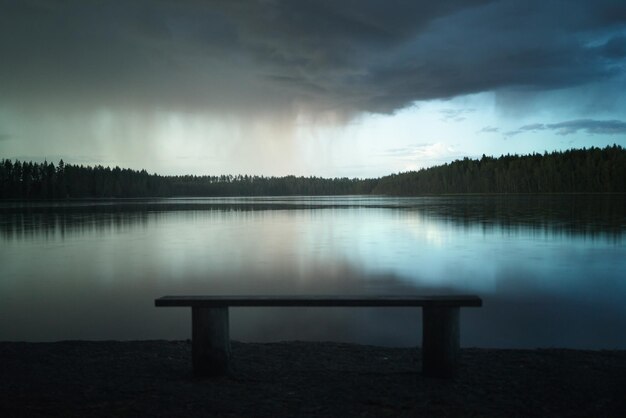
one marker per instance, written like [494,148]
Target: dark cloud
[602,127]
[346,55]
[590,126]
[527,128]
[488,129]
[615,47]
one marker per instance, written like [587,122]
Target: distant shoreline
[571,171]
[122,199]
[153,378]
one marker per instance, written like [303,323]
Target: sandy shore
[153,378]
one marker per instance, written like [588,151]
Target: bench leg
[440,341]
[210,341]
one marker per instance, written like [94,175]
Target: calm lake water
[551,269]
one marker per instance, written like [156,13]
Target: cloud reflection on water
[92,272]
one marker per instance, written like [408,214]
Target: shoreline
[153,378]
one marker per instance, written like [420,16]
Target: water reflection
[92,270]
[590,215]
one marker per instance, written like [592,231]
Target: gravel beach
[153,378]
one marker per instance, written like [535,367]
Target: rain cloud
[320,56]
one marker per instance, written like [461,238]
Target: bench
[210,327]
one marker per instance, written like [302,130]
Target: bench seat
[318,301]
[211,335]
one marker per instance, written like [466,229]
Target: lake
[551,269]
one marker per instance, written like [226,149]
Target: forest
[592,170]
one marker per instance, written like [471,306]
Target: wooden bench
[210,327]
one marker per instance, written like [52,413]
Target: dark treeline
[593,170]
[25,180]
[587,170]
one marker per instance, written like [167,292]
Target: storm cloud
[343,56]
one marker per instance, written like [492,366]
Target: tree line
[585,170]
[30,180]
[593,170]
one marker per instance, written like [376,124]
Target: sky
[330,88]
